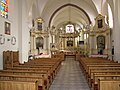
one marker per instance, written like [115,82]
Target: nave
[70,77]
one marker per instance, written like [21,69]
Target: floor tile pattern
[70,77]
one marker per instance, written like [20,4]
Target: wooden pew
[52,63]
[92,61]
[93,64]
[34,73]
[97,77]
[31,70]
[50,68]
[40,66]
[99,68]
[109,84]
[23,78]
[50,73]
[101,71]
[19,85]
[55,63]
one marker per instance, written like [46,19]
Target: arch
[66,6]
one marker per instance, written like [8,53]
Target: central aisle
[70,77]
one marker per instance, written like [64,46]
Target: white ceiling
[46,8]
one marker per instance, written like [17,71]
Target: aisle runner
[70,77]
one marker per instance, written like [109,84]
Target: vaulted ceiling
[57,12]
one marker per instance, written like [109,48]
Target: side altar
[99,37]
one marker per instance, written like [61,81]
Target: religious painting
[39,42]
[100,25]
[7,28]
[70,43]
[39,26]
[101,42]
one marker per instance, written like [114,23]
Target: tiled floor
[70,77]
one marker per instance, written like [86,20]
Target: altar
[99,38]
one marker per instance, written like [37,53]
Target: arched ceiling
[69,12]
[47,8]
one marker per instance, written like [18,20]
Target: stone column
[46,44]
[116,30]
[91,39]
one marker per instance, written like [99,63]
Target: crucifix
[70,28]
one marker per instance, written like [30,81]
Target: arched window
[4,8]
[69,28]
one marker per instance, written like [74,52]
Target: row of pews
[101,74]
[37,74]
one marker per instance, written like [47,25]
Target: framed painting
[69,43]
[7,28]
[101,42]
[100,24]
[39,42]
[39,26]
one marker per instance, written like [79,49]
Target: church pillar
[95,46]
[19,30]
[92,48]
[23,32]
[32,43]
[74,42]
[108,44]
[46,44]
[116,30]
[62,43]
[49,41]
[82,35]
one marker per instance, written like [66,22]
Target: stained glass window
[4,8]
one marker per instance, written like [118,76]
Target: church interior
[59,44]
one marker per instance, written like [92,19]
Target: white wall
[116,30]
[12,19]
[18,18]
[24,37]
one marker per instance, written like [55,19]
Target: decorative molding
[42,33]
[100,24]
